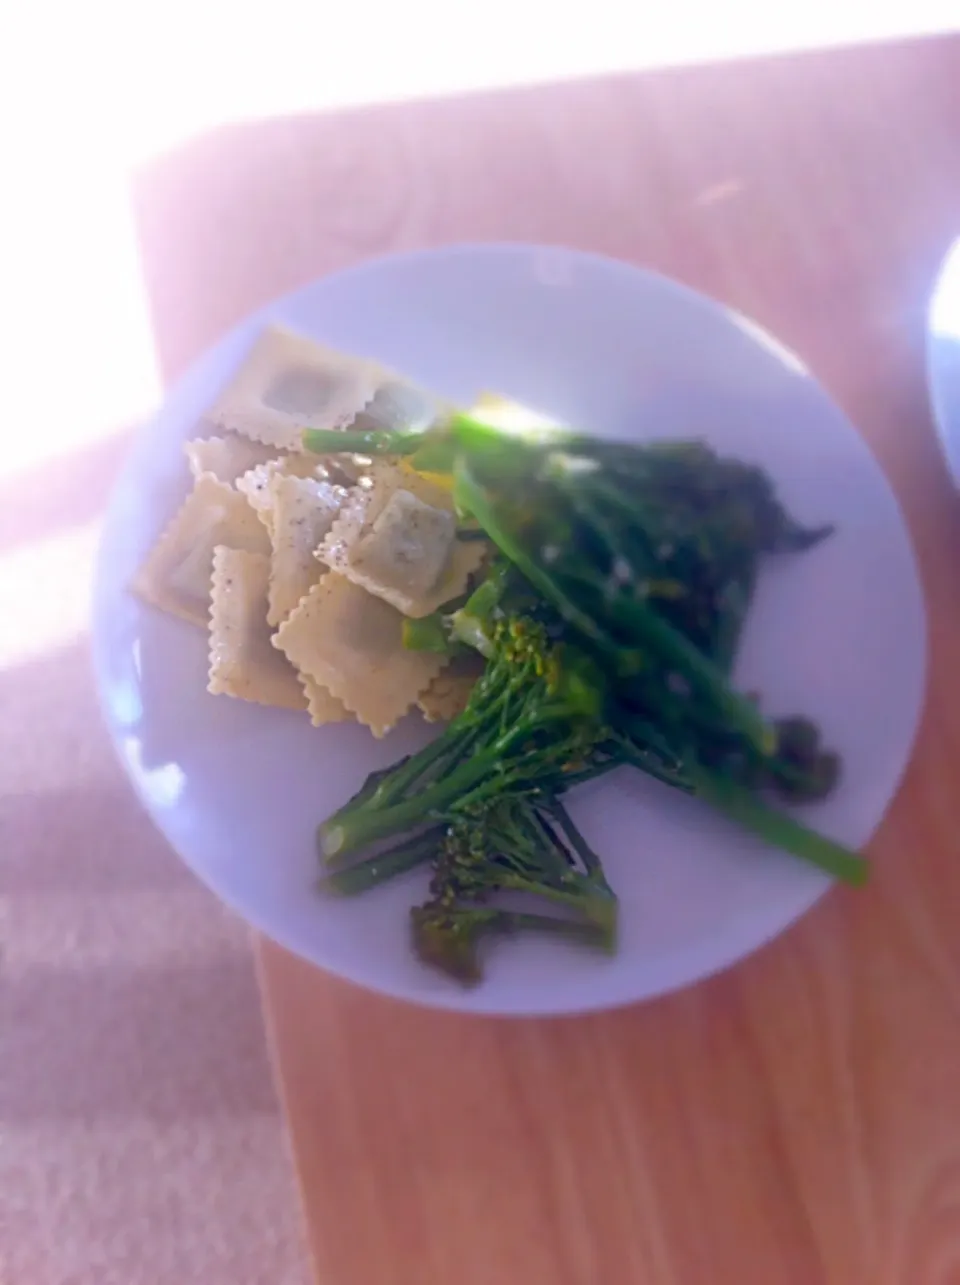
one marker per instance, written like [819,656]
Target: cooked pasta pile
[303,570]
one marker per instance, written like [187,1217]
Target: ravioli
[303,511]
[289,383]
[351,643]
[396,538]
[176,574]
[447,695]
[242,661]
[226,458]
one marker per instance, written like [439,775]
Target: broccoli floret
[449,937]
[513,845]
[509,845]
[535,714]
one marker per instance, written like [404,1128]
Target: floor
[140,1135]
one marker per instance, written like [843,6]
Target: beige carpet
[140,1137]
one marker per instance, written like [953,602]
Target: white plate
[943,357]
[837,634]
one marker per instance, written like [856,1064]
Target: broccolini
[609,623]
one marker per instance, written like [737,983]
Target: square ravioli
[255,484]
[399,404]
[242,661]
[289,382]
[226,458]
[176,574]
[303,511]
[396,538]
[406,546]
[322,706]
[351,643]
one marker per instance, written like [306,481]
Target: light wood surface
[795,1121]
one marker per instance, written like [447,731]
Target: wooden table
[796,1120]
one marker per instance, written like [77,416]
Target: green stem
[588,512]
[348,830]
[589,932]
[586,898]
[477,437]
[704,676]
[375,780]
[651,762]
[590,860]
[733,614]
[341,441]
[385,789]
[410,771]
[528,838]
[429,633]
[471,497]
[777,828]
[676,651]
[567,780]
[385,865]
